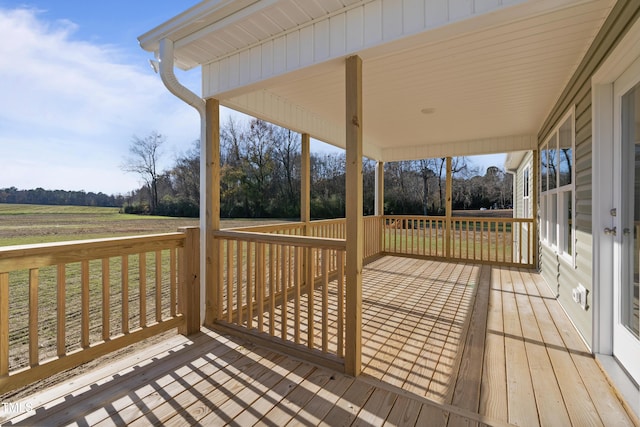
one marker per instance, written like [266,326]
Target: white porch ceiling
[489,71]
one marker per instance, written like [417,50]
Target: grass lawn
[28,224]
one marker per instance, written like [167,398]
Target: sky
[76,88]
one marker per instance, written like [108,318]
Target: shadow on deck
[443,344]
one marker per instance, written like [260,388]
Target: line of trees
[40,196]
[260,177]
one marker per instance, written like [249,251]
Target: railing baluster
[297,283]
[503,228]
[309,280]
[325,300]
[519,234]
[475,226]
[173,282]
[4,324]
[239,265]
[250,291]
[125,294]
[272,290]
[466,239]
[496,227]
[260,278]
[34,356]
[283,289]
[340,298]
[84,271]
[230,281]
[106,306]
[142,267]
[61,298]
[158,286]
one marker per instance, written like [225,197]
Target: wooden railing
[63,304]
[286,287]
[373,236]
[507,241]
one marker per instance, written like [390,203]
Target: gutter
[166,69]
[173,85]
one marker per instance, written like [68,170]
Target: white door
[626,334]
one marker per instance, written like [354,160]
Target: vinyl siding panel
[560,275]
[518,201]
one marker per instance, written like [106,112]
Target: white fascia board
[462,148]
[196,20]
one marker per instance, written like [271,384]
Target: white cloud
[70,108]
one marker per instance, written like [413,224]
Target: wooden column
[447,243]
[534,207]
[305,182]
[213,252]
[189,292]
[353,118]
[379,203]
[379,194]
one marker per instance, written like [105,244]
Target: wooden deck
[444,344]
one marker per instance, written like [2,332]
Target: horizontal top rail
[281,226]
[305,241]
[434,217]
[459,218]
[44,254]
[490,219]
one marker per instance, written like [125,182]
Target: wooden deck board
[548,397]
[598,389]
[440,348]
[521,397]
[467,389]
[493,389]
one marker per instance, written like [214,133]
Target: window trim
[547,207]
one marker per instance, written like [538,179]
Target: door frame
[603,271]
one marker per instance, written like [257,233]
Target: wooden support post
[353,117]
[379,203]
[447,239]
[189,292]
[379,192]
[305,197]
[534,238]
[305,183]
[212,247]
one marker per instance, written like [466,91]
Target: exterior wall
[559,274]
[519,208]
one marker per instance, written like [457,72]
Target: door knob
[610,231]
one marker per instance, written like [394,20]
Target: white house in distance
[558,80]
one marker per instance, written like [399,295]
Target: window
[557,189]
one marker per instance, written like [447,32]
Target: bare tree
[144,154]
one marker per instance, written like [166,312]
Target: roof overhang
[439,79]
